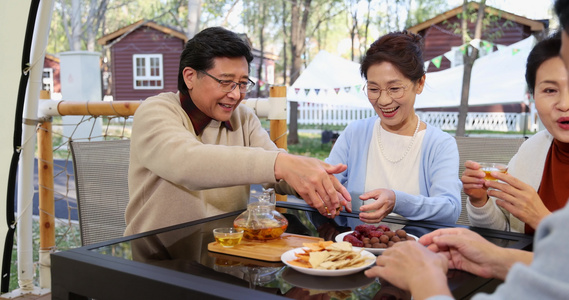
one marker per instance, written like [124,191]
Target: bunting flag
[296,90]
[487,46]
[427,63]
[463,49]
[437,61]
[515,51]
[475,43]
[306,91]
[317,91]
[347,89]
[358,88]
[337,90]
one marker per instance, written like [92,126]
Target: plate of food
[328,259]
[377,247]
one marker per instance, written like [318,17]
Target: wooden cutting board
[268,250]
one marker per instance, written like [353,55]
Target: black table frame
[81,273]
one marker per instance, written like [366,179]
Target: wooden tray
[269,250]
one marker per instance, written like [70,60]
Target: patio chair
[101,180]
[484,149]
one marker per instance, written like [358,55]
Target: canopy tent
[13,21]
[330,79]
[497,78]
[25,29]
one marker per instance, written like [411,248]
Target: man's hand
[314,181]
[411,266]
[468,251]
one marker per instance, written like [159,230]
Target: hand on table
[473,183]
[411,266]
[375,211]
[519,198]
[314,181]
[468,251]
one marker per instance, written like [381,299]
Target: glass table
[175,263]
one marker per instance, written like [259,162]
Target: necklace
[394,161]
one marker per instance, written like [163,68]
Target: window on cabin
[147,71]
[47,79]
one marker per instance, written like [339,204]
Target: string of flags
[357,88]
[476,43]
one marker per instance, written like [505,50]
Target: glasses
[227,86]
[395,92]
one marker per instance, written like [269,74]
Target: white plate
[289,255]
[376,251]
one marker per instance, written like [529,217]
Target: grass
[67,236]
[310,144]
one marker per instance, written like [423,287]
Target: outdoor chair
[484,149]
[101,180]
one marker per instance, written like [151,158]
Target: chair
[484,149]
[101,180]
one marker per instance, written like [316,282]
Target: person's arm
[468,251]
[166,145]
[442,202]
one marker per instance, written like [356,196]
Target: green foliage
[310,144]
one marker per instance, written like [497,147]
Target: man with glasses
[195,153]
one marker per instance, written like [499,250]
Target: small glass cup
[492,167]
[228,237]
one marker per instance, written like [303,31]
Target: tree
[299,13]
[194,12]
[469,56]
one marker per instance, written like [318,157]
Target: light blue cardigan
[439,183]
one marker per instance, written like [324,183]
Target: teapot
[261,220]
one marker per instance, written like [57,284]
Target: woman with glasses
[396,162]
[195,153]
[537,181]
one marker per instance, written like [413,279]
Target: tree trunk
[469,59]
[297,42]
[285,35]
[463,109]
[194,12]
[75,40]
[260,76]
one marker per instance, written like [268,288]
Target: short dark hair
[403,49]
[208,44]
[542,51]
[562,11]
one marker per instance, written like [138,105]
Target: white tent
[330,79]
[497,78]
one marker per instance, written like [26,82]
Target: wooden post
[278,128]
[46,200]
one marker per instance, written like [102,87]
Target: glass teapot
[261,220]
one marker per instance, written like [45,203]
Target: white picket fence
[325,114]
[342,115]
